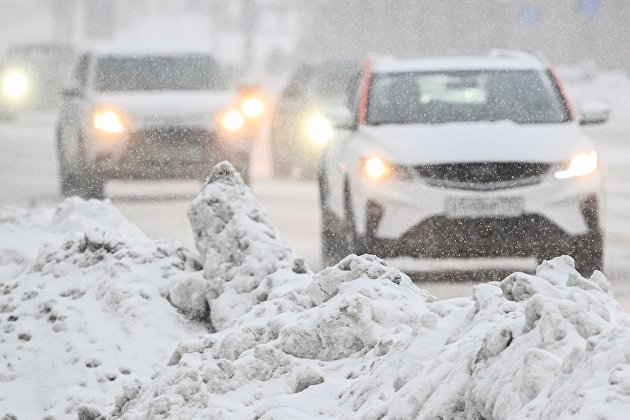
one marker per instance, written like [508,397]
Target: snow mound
[244,259]
[93,311]
[359,340]
[83,308]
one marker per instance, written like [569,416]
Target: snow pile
[359,340]
[83,308]
[91,317]
[244,260]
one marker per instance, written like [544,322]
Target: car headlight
[14,85]
[109,121]
[253,106]
[580,164]
[232,120]
[376,169]
[319,129]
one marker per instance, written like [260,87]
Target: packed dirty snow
[239,248]
[359,340]
[356,341]
[83,308]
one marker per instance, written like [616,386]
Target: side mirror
[594,113]
[341,118]
[72,92]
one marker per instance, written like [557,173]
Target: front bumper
[411,219]
[165,152]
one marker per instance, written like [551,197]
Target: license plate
[475,207]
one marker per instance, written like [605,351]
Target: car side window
[80,75]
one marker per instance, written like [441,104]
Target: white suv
[462,157]
[144,114]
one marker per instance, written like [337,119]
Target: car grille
[174,136]
[484,175]
[171,144]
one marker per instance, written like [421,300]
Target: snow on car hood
[475,142]
[174,108]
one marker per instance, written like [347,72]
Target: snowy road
[28,175]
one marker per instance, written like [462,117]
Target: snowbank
[92,312]
[83,308]
[243,258]
[359,340]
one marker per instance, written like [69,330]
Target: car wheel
[89,182]
[356,242]
[334,242]
[589,253]
[67,183]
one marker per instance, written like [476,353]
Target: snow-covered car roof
[496,60]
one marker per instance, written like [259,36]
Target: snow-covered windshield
[154,73]
[521,96]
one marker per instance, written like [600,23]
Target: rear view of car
[462,157]
[136,115]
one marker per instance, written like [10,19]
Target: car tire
[588,253]
[357,243]
[92,185]
[67,182]
[334,240]
[88,182]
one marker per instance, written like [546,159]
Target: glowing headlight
[376,168]
[14,85]
[319,130]
[580,165]
[232,120]
[253,107]
[109,121]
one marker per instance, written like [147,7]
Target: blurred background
[265,34]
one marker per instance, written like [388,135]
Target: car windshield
[521,96]
[154,73]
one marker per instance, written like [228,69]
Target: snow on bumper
[407,204]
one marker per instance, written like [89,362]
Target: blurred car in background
[462,157]
[147,115]
[300,124]
[32,76]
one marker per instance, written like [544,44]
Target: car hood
[188,108]
[475,142]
